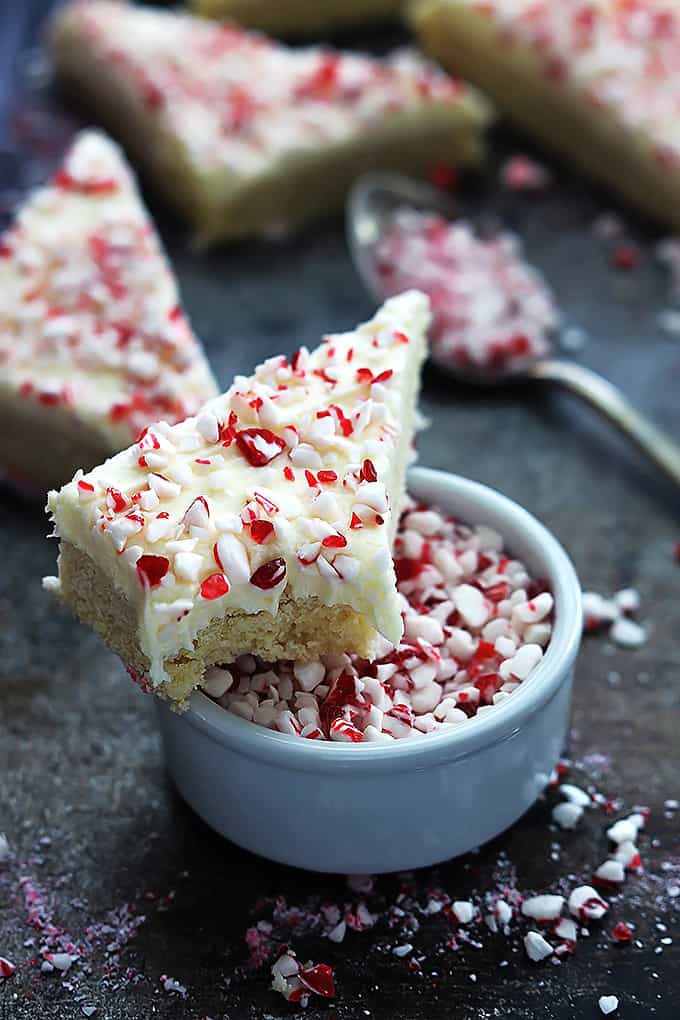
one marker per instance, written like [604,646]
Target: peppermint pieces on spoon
[492,310]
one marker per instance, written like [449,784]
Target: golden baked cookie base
[303,629]
[298,17]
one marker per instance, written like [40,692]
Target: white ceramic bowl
[372,808]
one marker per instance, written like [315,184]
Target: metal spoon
[371,205]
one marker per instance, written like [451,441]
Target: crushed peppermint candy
[423,923]
[608,1004]
[7,968]
[521,173]
[91,320]
[615,615]
[475,627]
[491,309]
[537,948]
[296,982]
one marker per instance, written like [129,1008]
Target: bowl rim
[290,752]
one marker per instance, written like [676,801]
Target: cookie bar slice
[299,17]
[264,525]
[247,136]
[93,342]
[598,80]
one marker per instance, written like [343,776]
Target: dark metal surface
[80,761]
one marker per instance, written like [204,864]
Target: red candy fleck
[261,531]
[319,979]
[94,186]
[289,474]
[214,586]
[625,256]
[259,446]
[311,479]
[621,932]
[7,968]
[327,477]
[267,505]
[334,542]
[364,375]
[269,574]
[356,522]
[152,569]
[116,500]
[85,486]
[368,472]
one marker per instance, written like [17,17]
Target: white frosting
[301,466]
[89,314]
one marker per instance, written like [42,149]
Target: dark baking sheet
[84,798]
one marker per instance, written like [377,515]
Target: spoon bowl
[371,207]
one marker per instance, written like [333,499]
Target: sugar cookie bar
[247,136]
[93,342]
[265,524]
[598,80]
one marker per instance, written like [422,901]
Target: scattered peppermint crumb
[171,984]
[614,613]
[403,950]
[464,911]
[567,815]
[4,847]
[573,338]
[520,173]
[88,1010]
[537,948]
[608,1003]
[626,256]
[627,633]
[7,968]
[607,227]
[575,795]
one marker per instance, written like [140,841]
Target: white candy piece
[543,908]
[537,948]
[575,795]
[471,605]
[567,815]
[464,911]
[566,929]
[608,1004]
[627,600]
[626,829]
[586,904]
[627,633]
[611,871]
[217,681]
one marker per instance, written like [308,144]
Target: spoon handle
[612,405]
